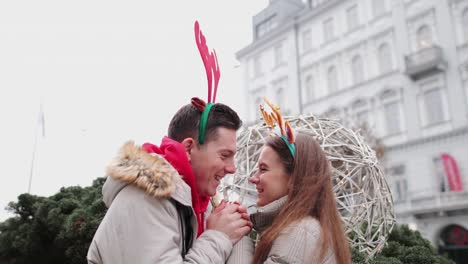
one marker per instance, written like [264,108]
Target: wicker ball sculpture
[363,197]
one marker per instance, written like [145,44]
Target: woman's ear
[188,144]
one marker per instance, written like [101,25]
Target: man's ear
[189,145]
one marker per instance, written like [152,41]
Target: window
[397,181]
[258,101]
[465,84]
[328,30]
[424,37]
[279,97]
[362,117]
[257,66]
[453,242]
[447,174]
[378,7]
[332,79]
[309,88]
[306,40]
[433,106]
[279,55]
[265,26]
[361,112]
[465,25]
[280,88]
[357,69]
[392,118]
[332,113]
[432,102]
[257,95]
[442,182]
[391,112]
[315,3]
[352,17]
[385,58]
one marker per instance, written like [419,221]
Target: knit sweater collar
[265,215]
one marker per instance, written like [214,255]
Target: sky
[104,72]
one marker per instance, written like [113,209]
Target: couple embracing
[159,197]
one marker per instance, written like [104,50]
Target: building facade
[400,66]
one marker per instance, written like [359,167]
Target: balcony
[431,201]
[425,62]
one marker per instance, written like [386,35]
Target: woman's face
[271,179]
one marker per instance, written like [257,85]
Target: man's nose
[231,167]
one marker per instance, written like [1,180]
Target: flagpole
[33,159]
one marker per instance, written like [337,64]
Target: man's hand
[231,219]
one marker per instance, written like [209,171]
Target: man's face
[213,160]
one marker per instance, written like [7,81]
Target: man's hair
[185,122]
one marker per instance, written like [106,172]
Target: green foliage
[58,229]
[358,257]
[404,246]
[55,229]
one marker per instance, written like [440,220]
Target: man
[158,196]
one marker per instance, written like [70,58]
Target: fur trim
[150,172]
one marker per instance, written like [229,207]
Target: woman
[297,219]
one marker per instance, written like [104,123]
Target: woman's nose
[254,179]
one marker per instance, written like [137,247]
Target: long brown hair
[310,180]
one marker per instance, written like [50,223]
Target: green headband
[291,146]
[203,123]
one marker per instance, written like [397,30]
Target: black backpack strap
[185,214]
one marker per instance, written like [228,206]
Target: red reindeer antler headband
[210,61]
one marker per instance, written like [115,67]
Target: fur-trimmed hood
[149,172]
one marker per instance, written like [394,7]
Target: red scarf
[174,153]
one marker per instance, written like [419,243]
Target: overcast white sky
[106,72]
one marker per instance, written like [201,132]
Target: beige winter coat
[142,224]
[295,244]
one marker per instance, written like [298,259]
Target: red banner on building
[451,172]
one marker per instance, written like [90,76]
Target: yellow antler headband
[285,129]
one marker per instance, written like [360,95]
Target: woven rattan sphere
[362,194]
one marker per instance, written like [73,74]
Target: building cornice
[454,1]
[318,10]
[383,33]
[351,88]
[422,141]
[303,16]
[265,40]
[422,13]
